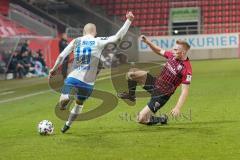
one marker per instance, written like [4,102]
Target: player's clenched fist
[130,16]
[144,38]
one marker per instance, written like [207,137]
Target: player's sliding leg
[157,101]
[146,116]
[77,109]
[134,76]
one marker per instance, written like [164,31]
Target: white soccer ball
[45,127]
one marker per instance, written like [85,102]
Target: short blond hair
[185,45]
[89,28]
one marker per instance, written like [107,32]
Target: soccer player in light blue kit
[87,51]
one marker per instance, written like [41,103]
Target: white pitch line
[6,93]
[45,91]
[25,96]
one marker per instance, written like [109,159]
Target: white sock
[77,109]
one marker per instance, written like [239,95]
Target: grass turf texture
[212,134]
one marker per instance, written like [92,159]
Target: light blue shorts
[76,87]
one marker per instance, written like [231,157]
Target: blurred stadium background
[211,27]
[32,29]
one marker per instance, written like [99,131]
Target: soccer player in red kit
[177,70]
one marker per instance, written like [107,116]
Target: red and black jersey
[173,74]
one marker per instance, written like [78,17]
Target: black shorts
[157,98]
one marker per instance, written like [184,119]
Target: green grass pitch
[212,134]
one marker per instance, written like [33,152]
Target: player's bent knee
[132,73]
[130,76]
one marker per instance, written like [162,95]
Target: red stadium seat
[144,5]
[117,6]
[158,10]
[205,14]
[124,6]
[234,19]
[149,22]
[234,13]
[205,3]
[144,11]
[123,11]
[137,22]
[138,11]
[144,16]
[151,5]
[151,11]
[226,13]
[138,5]
[131,6]
[156,22]
[117,12]
[150,16]
[142,22]
[238,19]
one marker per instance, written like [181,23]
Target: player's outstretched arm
[121,33]
[184,93]
[154,47]
[61,57]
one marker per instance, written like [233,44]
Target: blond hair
[185,45]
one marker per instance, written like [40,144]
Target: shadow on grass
[139,130]
[188,127]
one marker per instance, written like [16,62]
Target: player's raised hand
[144,38]
[130,16]
[175,112]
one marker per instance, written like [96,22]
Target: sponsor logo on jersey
[104,38]
[170,68]
[88,43]
[179,67]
